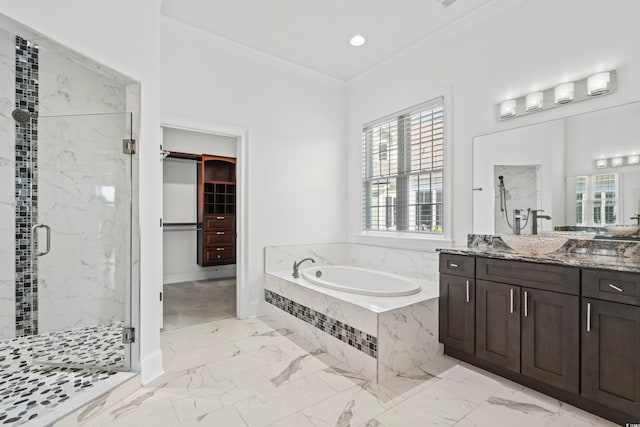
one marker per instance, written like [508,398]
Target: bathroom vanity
[567,324]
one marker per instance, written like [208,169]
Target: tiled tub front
[377,337]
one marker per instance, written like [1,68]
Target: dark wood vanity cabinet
[530,325]
[216,211]
[527,320]
[611,339]
[498,324]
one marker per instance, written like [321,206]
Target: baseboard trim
[151,367]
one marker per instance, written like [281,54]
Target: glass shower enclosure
[81,248]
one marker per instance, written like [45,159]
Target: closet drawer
[219,222]
[218,238]
[219,255]
[613,286]
[556,278]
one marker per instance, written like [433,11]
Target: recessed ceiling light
[357,40]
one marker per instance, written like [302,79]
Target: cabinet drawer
[613,286]
[218,238]
[458,265]
[219,222]
[219,255]
[539,276]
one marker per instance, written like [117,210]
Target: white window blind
[403,170]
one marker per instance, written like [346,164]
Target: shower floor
[29,390]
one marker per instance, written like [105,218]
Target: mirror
[551,166]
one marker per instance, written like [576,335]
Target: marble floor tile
[352,407]
[248,373]
[266,408]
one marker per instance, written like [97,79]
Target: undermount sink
[540,244]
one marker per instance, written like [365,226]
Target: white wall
[532,45]
[296,131]
[179,201]
[123,35]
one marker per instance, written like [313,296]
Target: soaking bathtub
[361,281]
[379,324]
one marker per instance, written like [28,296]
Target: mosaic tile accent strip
[356,338]
[28,390]
[26,188]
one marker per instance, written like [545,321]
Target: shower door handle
[34,230]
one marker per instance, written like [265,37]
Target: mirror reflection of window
[597,199]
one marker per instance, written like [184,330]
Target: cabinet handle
[468,297]
[526,304]
[220,232]
[588,317]
[511,301]
[612,286]
[453,265]
[219,249]
[219,217]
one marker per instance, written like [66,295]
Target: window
[596,199]
[403,170]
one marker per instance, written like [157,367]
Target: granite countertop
[597,254]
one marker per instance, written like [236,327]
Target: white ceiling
[315,34]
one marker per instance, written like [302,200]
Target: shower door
[82,241]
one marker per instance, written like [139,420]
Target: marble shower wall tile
[67,87]
[281,258]
[407,337]
[7,187]
[417,264]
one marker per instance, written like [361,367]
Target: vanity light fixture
[617,161]
[564,93]
[598,84]
[614,162]
[357,40]
[601,163]
[508,108]
[535,101]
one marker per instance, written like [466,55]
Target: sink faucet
[637,218]
[517,216]
[296,266]
[536,217]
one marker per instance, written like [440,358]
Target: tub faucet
[296,266]
[535,218]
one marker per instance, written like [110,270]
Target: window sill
[412,241]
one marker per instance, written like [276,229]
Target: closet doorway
[199,227]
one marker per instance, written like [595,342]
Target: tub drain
[318,273]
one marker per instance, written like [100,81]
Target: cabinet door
[611,354]
[457,312]
[551,338]
[498,324]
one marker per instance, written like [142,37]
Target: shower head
[21,116]
[501,178]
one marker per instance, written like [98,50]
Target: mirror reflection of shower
[516,192]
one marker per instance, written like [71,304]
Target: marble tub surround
[403,328]
[600,254]
[421,265]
